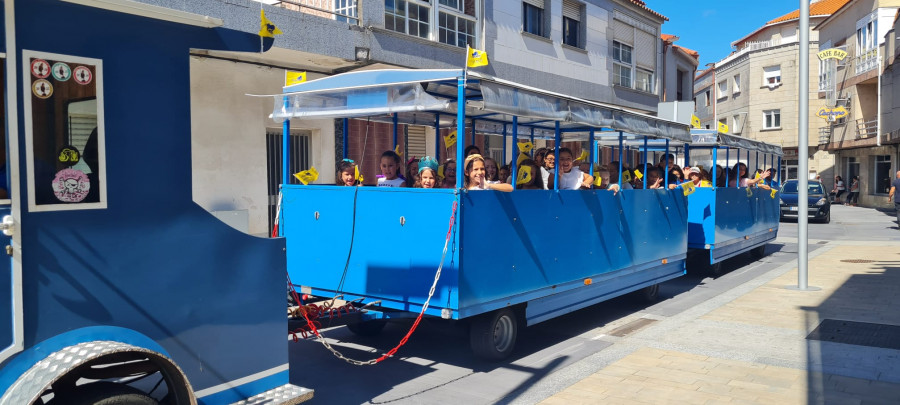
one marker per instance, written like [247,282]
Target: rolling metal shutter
[572,9]
[645,49]
[536,3]
[415,141]
[623,33]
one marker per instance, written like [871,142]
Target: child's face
[549,161]
[504,174]
[450,170]
[491,169]
[412,167]
[426,177]
[388,168]
[565,162]
[476,175]
[347,177]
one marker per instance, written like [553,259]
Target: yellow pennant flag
[583,156]
[450,139]
[266,28]
[749,192]
[521,157]
[723,128]
[441,171]
[626,176]
[688,187]
[772,194]
[475,57]
[638,174]
[356,174]
[598,181]
[758,174]
[291,77]
[524,176]
[695,121]
[397,151]
[705,183]
[307,176]
[525,147]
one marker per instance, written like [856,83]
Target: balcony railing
[340,10]
[824,135]
[866,62]
[866,129]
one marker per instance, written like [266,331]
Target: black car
[818,203]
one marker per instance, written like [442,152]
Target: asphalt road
[437,367]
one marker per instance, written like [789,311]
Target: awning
[711,137]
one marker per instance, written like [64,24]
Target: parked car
[818,203]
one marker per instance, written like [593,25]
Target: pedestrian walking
[895,196]
[853,197]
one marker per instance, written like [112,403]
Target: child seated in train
[346,173]
[605,182]
[474,175]
[390,170]
[449,178]
[613,168]
[654,177]
[492,171]
[428,175]
[571,177]
[505,173]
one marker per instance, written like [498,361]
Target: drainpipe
[665,74]
[878,118]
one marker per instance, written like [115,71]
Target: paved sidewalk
[750,345]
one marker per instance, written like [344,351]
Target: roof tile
[821,7]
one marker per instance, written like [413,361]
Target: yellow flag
[291,77]
[638,174]
[397,151]
[583,156]
[356,174]
[749,192]
[524,176]
[705,183]
[688,187]
[626,176]
[307,176]
[522,156]
[441,171]
[723,128]
[757,176]
[598,181]
[772,194]
[695,121]
[266,28]
[475,57]
[525,147]
[450,139]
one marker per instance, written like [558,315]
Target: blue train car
[725,221]
[515,258]
[118,287]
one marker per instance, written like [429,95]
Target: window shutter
[645,49]
[572,10]
[536,3]
[623,33]
[415,141]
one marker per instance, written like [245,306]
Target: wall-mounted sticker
[69,155]
[71,185]
[42,89]
[61,71]
[40,68]
[83,75]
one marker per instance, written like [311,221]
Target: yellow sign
[832,114]
[266,28]
[524,176]
[832,53]
[749,192]
[626,176]
[638,174]
[475,57]
[450,139]
[695,121]
[772,194]
[688,187]
[525,147]
[397,151]
[723,128]
[291,78]
[522,156]
[598,181]
[307,176]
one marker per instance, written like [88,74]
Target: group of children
[539,173]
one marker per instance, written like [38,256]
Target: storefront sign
[832,53]
[832,114]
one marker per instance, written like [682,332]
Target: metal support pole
[346,137]
[437,137]
[687,156]
[778,169]
[394,124]
[757,160]
[285,158]
[460,130]
[504,140]
[727,166]
[593,147]
[515,144]
[713,168]
[621,140]
[803,152]
[557,139]
[667,163]
[532,149]
[644,180]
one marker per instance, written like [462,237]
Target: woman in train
[474,176]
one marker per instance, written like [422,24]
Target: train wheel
[649,293]
[366,328]
[493,336]
[107,393]
[758,252]
[715,269]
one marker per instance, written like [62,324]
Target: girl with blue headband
[428,176]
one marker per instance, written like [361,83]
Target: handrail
[299,3]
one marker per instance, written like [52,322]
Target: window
[772,76]
[736,84]
[344,8]
[571,23]
[643,80]
[298,151]
[735,124]
[771,119]
[723,89]
[409,17]
[455,4]
[533,17]
[707,98]
[882,177]
[622,64]
[456,30]
[852,165]
[789,169]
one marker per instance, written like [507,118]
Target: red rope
[310,320]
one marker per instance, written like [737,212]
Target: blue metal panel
[393,259]
[153,262]
[522,242]
[701,217]
[243,391]
[728,217]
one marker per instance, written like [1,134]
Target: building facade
[865,142]
[754,91]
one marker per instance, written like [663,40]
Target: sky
[710,26]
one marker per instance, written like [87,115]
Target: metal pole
[557,139]
[687,156]
[460,130]
[394,122]
[515,145]
[346,137]
[667,163]
[644,180]
[713,168]
[437,137]
[532,149]
[285,147]
[803,150]
[620,161]
[504,140]
[591,155]
[727,167]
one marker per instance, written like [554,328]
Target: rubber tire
[108,393]
[649,293]
[715,269]
[827,219]
[758,252]
[367,328]
[492,336]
